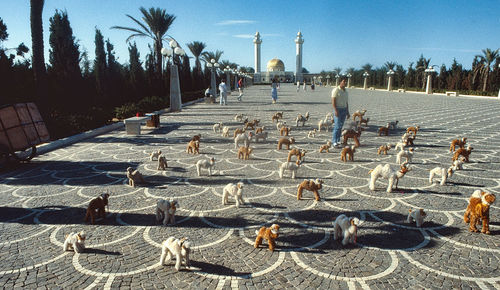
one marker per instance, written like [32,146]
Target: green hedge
[146,105]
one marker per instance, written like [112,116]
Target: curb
[47,147]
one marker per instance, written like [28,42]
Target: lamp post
[349,75]
[213,65]
[390,73]
[227,70]
[337,79]
[499,88]
[328,80]
[365,75]
[429,71]
[175,88]
[236,75]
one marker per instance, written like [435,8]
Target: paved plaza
[44,200]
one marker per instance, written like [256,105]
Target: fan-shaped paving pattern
[45,200]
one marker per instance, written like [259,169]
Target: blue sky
[337,33]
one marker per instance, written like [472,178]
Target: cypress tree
[64,58]
[136,72]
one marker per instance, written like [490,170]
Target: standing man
[223,92]
[340,103]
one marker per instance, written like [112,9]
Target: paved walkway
[43,201]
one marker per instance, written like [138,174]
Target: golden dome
[275,65]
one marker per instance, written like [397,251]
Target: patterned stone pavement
[44,200]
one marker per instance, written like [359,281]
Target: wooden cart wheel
[25,155]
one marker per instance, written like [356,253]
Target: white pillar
[390,73]
[257,40]
[298,57]
[175,90]
[213,82]
[428,87]
[365,75]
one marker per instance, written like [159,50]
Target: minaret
[257,40]
[298,57]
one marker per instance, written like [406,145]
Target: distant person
[304,87]
[298,86]
[208,96]
[223,92]
[340,103]
[274,90]
[312,86]
[240,89]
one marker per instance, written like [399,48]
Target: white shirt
[340,96]
[223,88]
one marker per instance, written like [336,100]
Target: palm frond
[146,29]
[134,35]
[127,28]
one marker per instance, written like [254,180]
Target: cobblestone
[44,200]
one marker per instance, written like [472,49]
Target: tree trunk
[39,70]
[485,84]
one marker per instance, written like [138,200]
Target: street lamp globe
[167,52]
[179,51]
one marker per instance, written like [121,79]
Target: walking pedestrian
[274,90]
[240,89]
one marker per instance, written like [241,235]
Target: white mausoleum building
[276,67]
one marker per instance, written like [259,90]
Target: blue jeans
[223,98]
[274,94]
[339,123]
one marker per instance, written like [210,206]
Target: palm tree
[484,65]
[156,24]
[367,67]
[225,63]
[421,66]
[208,55]
[196,48]
[390,65]
[39,71]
